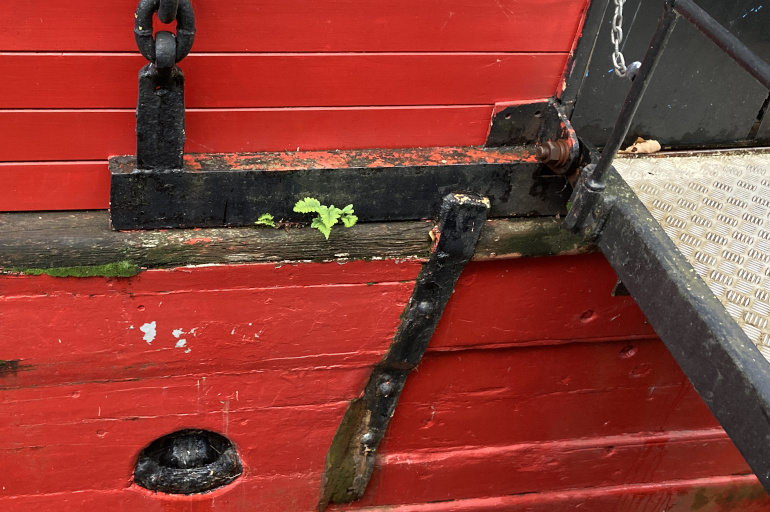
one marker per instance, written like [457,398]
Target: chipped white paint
[188,351]
[177,333]
[149,331]
[181,343]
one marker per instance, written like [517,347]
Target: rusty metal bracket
[351,458]
[558,146]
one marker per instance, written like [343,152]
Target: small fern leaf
[329,215]
[348,210]
[320,226]
[266,220]
[307,205]
[349,220]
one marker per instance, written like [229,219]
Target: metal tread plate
[716,209]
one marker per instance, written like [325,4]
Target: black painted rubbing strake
[188,462]
[350,461]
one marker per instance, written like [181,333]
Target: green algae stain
[118,269]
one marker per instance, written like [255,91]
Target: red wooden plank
[532,300]
[220,277]
[544,467]
[54,186]
[298,493]
[285,80]
[36,135]
[301,26]
[714,494]
[119,336]
[537,394]
[271,441]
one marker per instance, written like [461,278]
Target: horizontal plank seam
[250,109]
[706,482]
[61,294]
[288,54]
[540,342]
[435,454]
[496,502]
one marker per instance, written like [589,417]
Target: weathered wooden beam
[64,239]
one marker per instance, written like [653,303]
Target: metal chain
[618,61]
[164,49]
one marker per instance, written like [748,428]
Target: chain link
[618,61]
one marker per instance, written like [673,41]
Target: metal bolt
[386,388]
[425,308]
[367,438]
[554,154]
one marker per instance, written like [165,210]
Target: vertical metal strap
[160,119]
[350,461]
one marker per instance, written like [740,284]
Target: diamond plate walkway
[716,209]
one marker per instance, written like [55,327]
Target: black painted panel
[698,96]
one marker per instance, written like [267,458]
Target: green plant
[265,220]
[327,216]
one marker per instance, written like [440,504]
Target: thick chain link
[618,61]
[165,49]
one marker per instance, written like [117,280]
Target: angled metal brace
[724,366]
[350,461]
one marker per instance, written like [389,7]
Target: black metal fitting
[185,29]
[188,462]
[167,10]
[160,119]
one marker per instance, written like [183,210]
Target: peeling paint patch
[149,332]
[181,343]
[194,241]
[177,333]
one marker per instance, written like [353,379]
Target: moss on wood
[118,269]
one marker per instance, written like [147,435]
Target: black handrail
[701,20]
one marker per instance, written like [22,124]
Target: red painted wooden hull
[539,391]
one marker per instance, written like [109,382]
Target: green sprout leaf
[320,226]
[349,220]
[307,205]
[265,220]
[327,216]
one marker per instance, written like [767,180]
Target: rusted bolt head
[554,154]
[367,438]
[386,388]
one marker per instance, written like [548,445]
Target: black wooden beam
[382,184]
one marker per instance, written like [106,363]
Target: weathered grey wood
[64,239]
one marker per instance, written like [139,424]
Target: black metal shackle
[165,49]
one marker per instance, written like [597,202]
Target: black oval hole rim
[158,470]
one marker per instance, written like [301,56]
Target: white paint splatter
[188,351]
[149,332]
[177,333]
[181,343]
